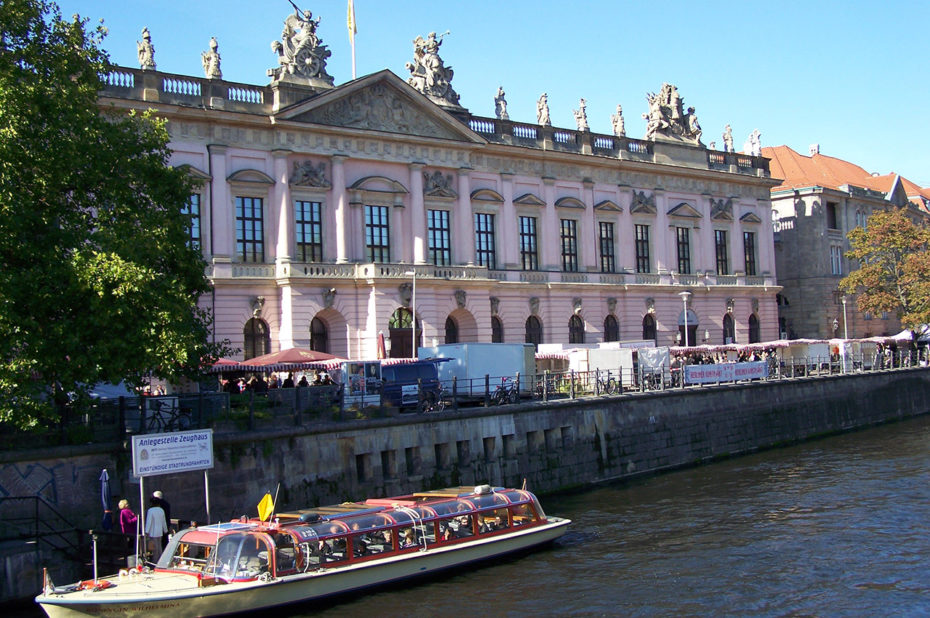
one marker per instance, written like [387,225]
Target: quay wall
[555,446]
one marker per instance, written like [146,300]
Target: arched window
[611,329]
[401,334]
[649,327]
[256,339]
[729,330]
[319,335]
[497,330]
[575,330]
[452,331]
[754,334]
[533,330]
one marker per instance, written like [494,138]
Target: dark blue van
[401,383]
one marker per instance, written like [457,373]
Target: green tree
[97,280]
[894,273]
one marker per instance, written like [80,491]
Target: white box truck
[471,362]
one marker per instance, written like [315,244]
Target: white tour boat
[250,564]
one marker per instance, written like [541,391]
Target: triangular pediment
[643,204]
[750,217]
[608,205]
[684,209]
[380,102]
[528,199]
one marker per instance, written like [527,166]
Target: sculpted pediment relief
[643,204]
[380,102]
[721,210]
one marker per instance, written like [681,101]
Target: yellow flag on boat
[265,507]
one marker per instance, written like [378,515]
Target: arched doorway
[400,332]
[649,328]
[729,329]
[533,331]
[497,330]
[755,335]
[611,329]
[319,335]
[575,329]
[256,339]
[692,323]
[452,331]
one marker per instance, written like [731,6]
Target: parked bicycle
[606,384]
[506,393]
[432,402]
[165,415]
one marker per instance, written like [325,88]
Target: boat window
[408,537]
[224,560]
[457,527]
[489,500]
[489,521]
[522,514]
[187,557]
[286,552]
[333,544]
[253,558]
[452,506]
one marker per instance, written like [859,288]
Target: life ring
[90,584]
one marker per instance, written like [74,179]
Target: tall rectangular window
[250,242]
[308,229]
[642,249]
[377,234]
[484,240]
[749,247]
[440,252]
[720,242]
[529,257]
[836,260]
[606,237]
[684,250]
[569,245]
[192,209]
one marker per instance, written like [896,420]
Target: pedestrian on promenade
[160,497]
[127,522]
[155,528]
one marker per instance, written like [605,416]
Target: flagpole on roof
[350,22]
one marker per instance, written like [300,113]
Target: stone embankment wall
[554,446]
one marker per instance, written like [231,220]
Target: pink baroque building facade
[325,212]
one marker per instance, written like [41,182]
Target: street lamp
[684,301]
[845,327]
[413,312]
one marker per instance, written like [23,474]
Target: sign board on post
[168,453]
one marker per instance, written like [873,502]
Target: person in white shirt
[155,527]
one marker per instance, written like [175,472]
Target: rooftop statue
[617,122]
[428,74]
[146,51]
[211,61]
[753,145]
[581,115]
[500,105]
[667,119]
[301,55]
[727,139]
[542,111]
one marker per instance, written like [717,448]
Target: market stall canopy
[222,364]
[292,358]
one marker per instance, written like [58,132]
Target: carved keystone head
[534,305]
[611,305]
[257,303]
[650,305]
[329,297]
[460,298]
[576,305]
[495,305]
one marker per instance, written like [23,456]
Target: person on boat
[408,538]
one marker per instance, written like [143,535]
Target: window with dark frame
[484,240]
[575,329]
[250,242]
[684,250]
[529,258]
[642,249]
[611,329]
[377,234]
[569,237]
[308,231]
[497,330]
[319,335]
[606,236]
[533,330]
[192,209]
[720,243]
[749,246]
[440,251]
[452,331]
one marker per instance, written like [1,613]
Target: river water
[838,526]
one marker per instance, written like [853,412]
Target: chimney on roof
[814,149]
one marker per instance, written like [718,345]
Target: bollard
[455,393]
[546,385]
[571,386]
[487,390]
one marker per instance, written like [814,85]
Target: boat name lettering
[134,609]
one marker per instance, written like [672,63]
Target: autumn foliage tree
[894,267]
[98,281]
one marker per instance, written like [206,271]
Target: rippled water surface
[832,527]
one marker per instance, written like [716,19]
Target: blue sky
[851,76]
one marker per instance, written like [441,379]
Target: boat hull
[161,594]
